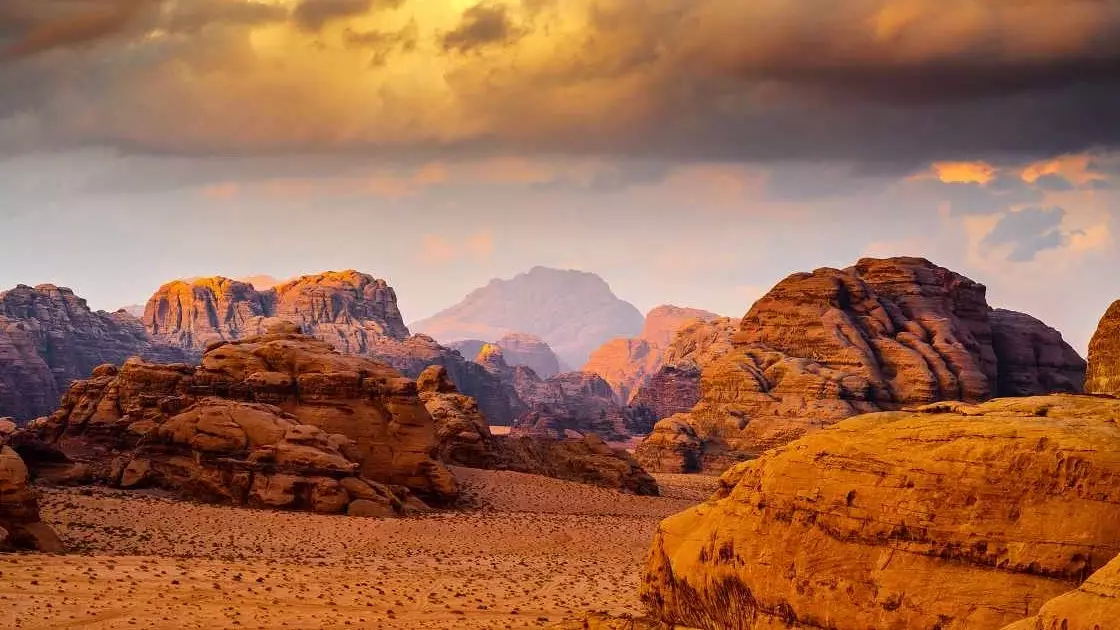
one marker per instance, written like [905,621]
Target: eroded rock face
[20,525]
[955,516]
[518,349]
[1095,605]
[50,337]
[297,384]
[1103,375]
[628,364]
[465,440]
[573,311]
[461,429]
[350,310]
[574,401]
[880,335]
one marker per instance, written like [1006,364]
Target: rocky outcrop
[518,349]
[462,431]
[20,525]
[578,402]
[675,386]
[282,409]
[954,516]
[465,440]
[880,335]
[1095,605]
[50,337]
[627,364]
[583,459]
[348,309]
[1103,376]
[572,311]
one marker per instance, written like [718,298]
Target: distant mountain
[135,310]
[574,312]
[518,349]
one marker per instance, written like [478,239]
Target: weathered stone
[953,516]
[19,509]
[1103,376]
[1095,605]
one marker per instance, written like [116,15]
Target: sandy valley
[532,551]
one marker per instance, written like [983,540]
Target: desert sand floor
[534,551]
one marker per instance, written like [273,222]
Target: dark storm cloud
[1028,232]
[1054,182]
[29,27]
[889,84]
[482,25]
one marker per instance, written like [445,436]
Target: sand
[530,552]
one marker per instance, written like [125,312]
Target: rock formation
[462,431]
[466,440]
[280,420]
[1095,605]
[574,401]
[574,312]
[518,349]
[20,527]
[627,364]
[1103,376]
[953,516]
[50,337]
[880,335]
[348,309]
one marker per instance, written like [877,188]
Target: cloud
[1028,232]
[892,83]
[313,14]
[482,25]
[1053,182]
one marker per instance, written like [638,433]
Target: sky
[688,151]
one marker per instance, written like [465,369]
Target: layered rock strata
[953,516]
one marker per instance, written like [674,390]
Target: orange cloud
[964,172]
[223,191]
[436,249]
[1076,168]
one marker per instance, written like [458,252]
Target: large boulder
[381,423]
[462,431]
[824,346]
[20,525]
[953,516]
[1095,605]
[50,337]
[1103,375]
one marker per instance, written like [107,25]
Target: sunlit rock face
[952,516]
[880,335]
[50,337]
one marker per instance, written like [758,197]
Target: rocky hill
[952,516]
[278,420]
[573,311]
[518,349]
[1103,375]
[627,364]
[831,344]
[50,337]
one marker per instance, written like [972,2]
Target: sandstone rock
[883,334]
[348,309]
[585,460]
[50,337]
[575,401]
[601,621]
[463,433]
[269,420]
[574,312]
[1095,605]
[1103,376]
[627,364]
[20,527]
[419,352]
[675,386]
[518,349]
[954,516]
